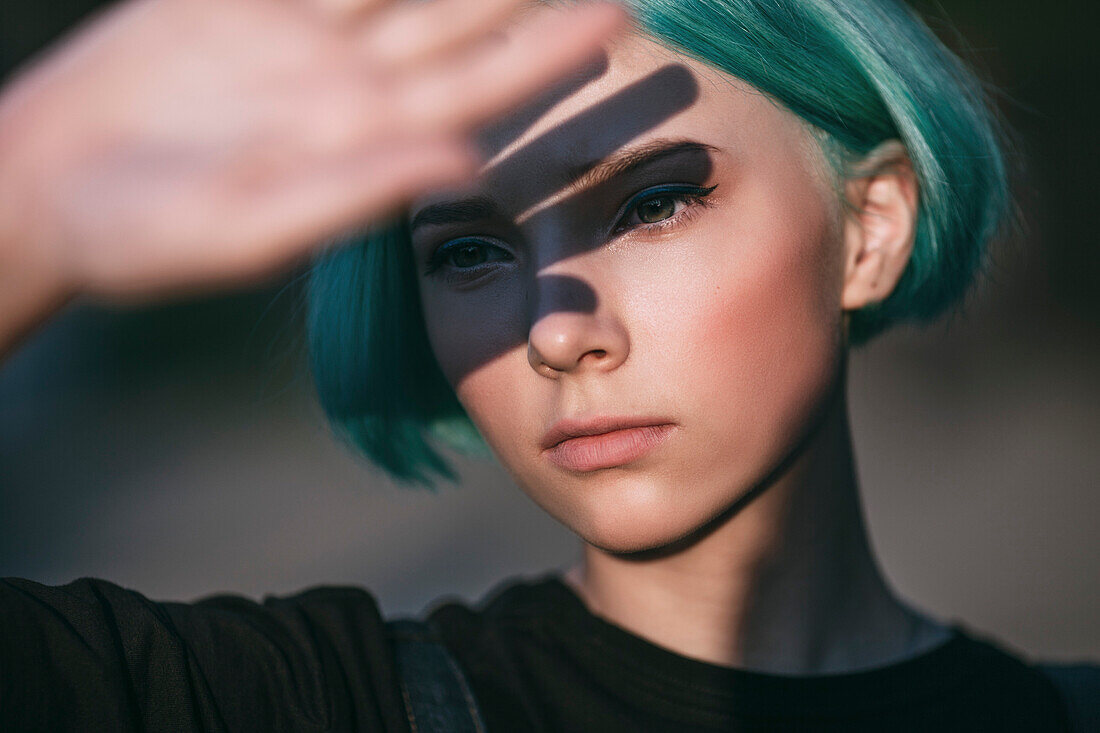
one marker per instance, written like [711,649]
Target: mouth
[603,442]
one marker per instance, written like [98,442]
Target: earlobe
[880,230]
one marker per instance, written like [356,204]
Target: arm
[93,656]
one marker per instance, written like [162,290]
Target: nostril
[561,343]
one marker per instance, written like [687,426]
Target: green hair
[860,72]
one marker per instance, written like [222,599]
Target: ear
[881,225]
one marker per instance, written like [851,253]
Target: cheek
[480,342]
[779,311]
[769,338]
[470,331]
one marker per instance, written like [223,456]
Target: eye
[657,208]
[466,255]
[469,254]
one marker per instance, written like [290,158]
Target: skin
[739,539]
[167,147]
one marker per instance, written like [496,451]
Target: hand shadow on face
[606,127]
[614,122]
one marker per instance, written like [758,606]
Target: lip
[604,442]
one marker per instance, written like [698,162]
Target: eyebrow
[475,208]
[628,160]
[587,175]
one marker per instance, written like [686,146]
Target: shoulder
[324,653]
[515,605]
[1074,687]
[1079,687]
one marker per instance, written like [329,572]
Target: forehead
[640,92]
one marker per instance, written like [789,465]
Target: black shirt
[92,656]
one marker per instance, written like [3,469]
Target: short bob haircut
[859,72]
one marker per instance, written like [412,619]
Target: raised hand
[180,144]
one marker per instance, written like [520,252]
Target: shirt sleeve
[93,656]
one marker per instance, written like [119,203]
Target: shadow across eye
[465,254]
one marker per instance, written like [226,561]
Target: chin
[632,537]
[639,516]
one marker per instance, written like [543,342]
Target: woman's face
[685,291]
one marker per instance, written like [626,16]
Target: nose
[571,331]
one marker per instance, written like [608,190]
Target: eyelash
[694,198]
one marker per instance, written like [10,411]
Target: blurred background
[177,449]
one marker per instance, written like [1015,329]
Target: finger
[345,10]
[415,33]
[346,192]
[501,75]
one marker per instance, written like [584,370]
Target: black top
[92,656]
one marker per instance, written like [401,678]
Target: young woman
[643,305]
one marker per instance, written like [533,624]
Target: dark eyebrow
[628,160]
[476,208]
[587,175]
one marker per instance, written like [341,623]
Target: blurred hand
[180,144]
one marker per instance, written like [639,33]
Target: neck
[785,584]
